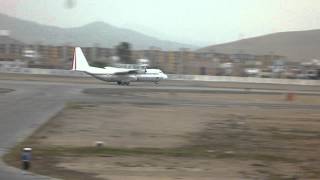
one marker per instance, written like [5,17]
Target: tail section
[80,62]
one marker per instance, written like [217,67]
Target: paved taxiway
[32,103]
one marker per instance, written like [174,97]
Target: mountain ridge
[295,45]
[95,33]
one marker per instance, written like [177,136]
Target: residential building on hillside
[183,61]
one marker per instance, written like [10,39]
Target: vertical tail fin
[80,62]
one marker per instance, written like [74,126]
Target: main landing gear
[123,83]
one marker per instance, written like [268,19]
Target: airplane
[122,76]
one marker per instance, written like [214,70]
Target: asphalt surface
[32,103]
[24,110]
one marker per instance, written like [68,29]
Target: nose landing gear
[123,83]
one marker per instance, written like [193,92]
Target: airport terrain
[175,130]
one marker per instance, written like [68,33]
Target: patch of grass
[45,160]
[5,90]
[105,151]
[200,152]
[293,134]
[77,105]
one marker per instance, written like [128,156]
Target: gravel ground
[177,141]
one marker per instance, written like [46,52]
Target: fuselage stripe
[74,64]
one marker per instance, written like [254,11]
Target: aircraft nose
[165,76]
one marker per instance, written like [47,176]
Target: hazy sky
[200,22]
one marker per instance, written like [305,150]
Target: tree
[124,52]
[101,62]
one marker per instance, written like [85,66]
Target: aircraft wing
[125,72]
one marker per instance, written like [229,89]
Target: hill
[295,45]
[99,33]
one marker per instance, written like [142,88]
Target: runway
[32,103]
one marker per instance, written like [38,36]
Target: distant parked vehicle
[312,74]
[265,73]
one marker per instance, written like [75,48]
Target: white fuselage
[148,75]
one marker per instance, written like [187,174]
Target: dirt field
[167,142]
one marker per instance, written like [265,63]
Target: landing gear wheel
[122,83]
